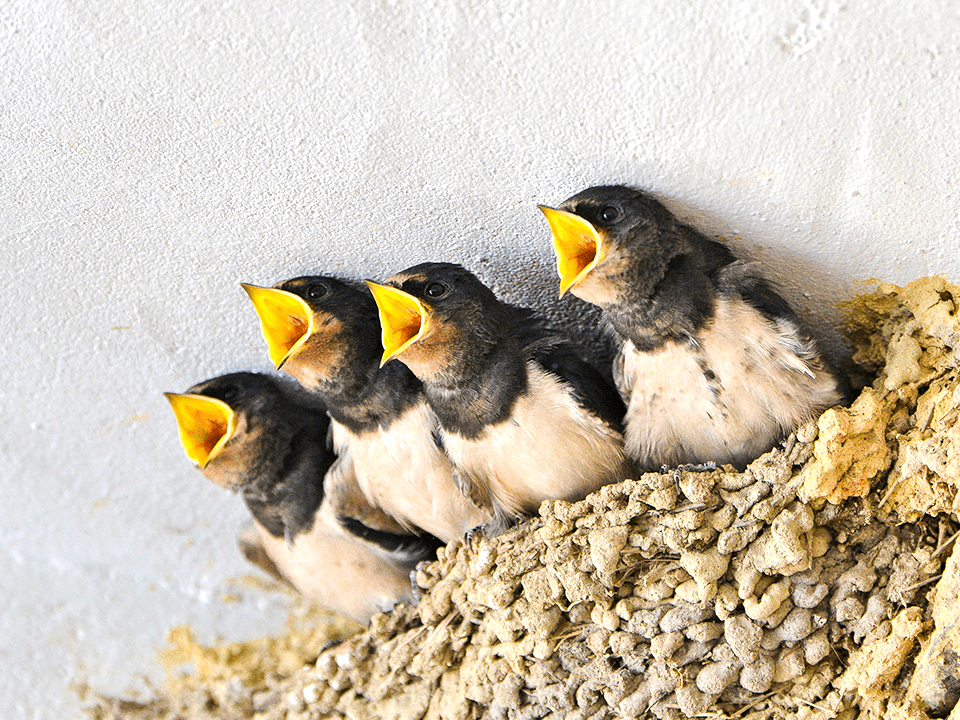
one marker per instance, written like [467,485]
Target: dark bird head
[230,424]
[437,316]
[609,238]
[316,327]
[621,249]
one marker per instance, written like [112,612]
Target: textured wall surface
[151,158]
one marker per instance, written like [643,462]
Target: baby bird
[523,418]
[324,332]
[249,433]
[714,364]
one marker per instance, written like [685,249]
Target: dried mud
[822,582]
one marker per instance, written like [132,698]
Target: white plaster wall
[153,155]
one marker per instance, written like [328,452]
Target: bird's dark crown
[618,210]
[450,290]
[347,301]
[243,391]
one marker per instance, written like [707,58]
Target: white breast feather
[331,566]
[549,448]
[402,471]
[770,382]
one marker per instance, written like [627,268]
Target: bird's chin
[418,367]
[585,290]
[223,475]
[418,361]
[305,373]
[577,291]
[596,290]
[319,363]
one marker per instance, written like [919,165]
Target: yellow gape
[206,425]
[285,318]
[403,317]
[577,243]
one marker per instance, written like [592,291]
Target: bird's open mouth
[403,318]
[286,320]
[206,425]
[577,244]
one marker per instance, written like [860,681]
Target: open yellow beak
[286,320]
[403,318]
[577,244]
[206,425]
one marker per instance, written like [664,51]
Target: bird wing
[741,277]
[359,516]
[251,547]
[554,353]
[803,355]
[411,548]
[590,388]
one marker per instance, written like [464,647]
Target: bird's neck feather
[478,390]
[672,302]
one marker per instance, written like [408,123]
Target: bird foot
[692,467]
[480,531]
[415,588]
[698,467]
[497,525]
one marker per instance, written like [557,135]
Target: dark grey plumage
[714,364]
[281,455]
[381,419]
[305,503]
[522,416]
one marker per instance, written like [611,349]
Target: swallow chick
[713,363]
[251,434]
[523,418]
[325,333]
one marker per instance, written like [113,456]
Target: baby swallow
[251,434]
[324,332]
[523,418]
[714,364]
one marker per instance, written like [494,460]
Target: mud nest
[822,582]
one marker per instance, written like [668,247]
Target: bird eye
[316,290]
[435,290]
[609,213]
[229,393]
